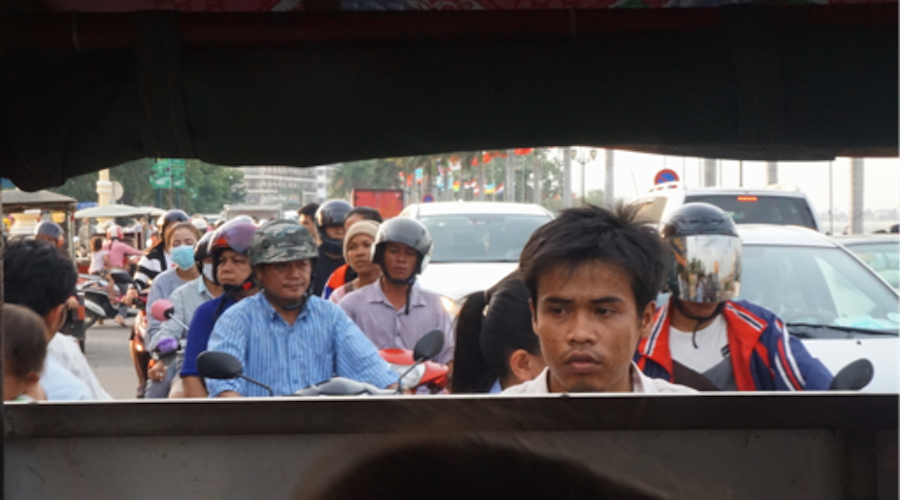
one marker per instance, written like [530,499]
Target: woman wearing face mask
[358,253]
[186,299]
[180,239]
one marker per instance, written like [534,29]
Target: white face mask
[208,272]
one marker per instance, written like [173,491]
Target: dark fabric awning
[86,91]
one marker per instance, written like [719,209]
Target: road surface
[107,353]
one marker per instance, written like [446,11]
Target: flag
[489,189]
[419,173]
[500,189]
[455,186]
[409,180]
[455,163]
[524,151]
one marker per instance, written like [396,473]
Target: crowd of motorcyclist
[299,302]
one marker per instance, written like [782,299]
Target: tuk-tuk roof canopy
[88,90]
[15,200]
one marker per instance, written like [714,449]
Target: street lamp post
[582,158]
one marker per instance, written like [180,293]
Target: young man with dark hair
[307,216]
[40,277]
[592,275]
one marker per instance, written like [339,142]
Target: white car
[829,298]
[475,243]
[772,205]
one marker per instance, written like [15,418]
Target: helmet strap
[331,245]
[699,319]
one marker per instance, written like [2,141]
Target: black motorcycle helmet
[169,218]
[331,213]
[407,231]
[706,254]
[201,250]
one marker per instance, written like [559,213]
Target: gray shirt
[165,283]
[388,327]
[186,299]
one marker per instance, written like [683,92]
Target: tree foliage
[207,187]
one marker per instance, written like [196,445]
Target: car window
[762,209]
[823,286]
[882,258]
[480,237]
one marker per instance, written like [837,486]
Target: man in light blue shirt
[285,337]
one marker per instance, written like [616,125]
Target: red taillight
[747,198]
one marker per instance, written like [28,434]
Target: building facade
[289,187]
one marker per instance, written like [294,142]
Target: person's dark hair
[24,340]
[308,210]
[472,469]
[367,213]
[612,236]
[37,275]
[96,243]
[490,327]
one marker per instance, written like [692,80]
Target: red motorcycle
[428,375]
[137,344]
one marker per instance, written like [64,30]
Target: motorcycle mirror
[854,376]
[429,345]
[219,365]
[162,310]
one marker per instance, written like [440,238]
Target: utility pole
[709,172]
[856,196]
[567,177]
[609,191]
[771,172]
[481,179]
[537,173]
[510,189]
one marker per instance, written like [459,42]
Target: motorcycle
[102,297]
[167,349]
[428,377]
[137,344]
[221,365]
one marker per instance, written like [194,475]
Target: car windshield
[818,286]
[882,257]
[480,237]
[761,209]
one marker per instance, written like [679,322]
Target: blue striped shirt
[321,343]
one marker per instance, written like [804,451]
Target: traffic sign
[428,198]
[665,175]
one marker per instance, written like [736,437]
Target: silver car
[475,243]
[831,300]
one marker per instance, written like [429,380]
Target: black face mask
[331,245]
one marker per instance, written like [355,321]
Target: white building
[289,187]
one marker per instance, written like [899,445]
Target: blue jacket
[764,356]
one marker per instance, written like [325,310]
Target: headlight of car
[450,305]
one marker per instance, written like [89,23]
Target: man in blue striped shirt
[285,337]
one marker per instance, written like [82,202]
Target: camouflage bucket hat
[281,241]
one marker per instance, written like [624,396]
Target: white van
[771,205]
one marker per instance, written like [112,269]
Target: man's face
[234,268]
[308,223]
[399,260]
[353,219]
[285,281]
[589,327]
[335,232]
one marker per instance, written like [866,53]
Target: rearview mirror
[429,345]
[219,365]
[162,310]
[854,376]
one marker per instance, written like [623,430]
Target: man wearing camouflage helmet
[285,337]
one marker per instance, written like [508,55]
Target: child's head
[24,349]
[96,243]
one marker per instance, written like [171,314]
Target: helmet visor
[235,237]
[707,267]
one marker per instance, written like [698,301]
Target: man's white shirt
[64,349]
[640,383]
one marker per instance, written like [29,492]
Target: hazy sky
[635,172]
